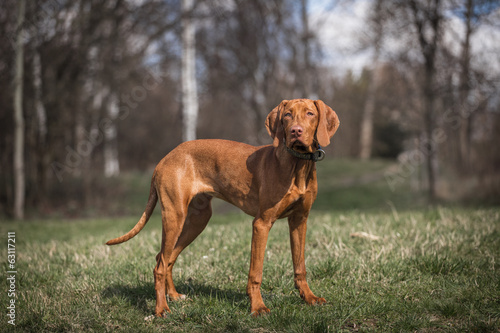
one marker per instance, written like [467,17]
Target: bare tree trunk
[83,148]
[19,176]
[429,145]
[464,133]
[366,139]
[366,136]
[258,102]
[427,22]
[41,116]
[189,91]
[306,79]
[111,162]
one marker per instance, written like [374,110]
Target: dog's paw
[320,300]
[260,311]
[162,312]
[313,300]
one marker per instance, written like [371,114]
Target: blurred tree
[449,93]
[189,89]
[427,18]
[307,83]
[366,135]
[465,84]
[103,86]
[19,169]
[474,13]
[255,54]
[348,98]
[82,54]
[389,139]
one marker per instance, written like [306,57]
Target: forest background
[93,91]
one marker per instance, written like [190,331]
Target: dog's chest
[294,200]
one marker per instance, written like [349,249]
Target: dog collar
[318,155]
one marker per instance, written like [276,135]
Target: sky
[338,26]
[340,23]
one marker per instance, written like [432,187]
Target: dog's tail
[150,206]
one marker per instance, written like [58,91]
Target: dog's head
[302,124]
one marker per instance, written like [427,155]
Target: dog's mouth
[300,147]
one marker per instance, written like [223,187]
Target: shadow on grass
[136,295]
[139,295]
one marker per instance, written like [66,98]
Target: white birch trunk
[19,175]
[189,91]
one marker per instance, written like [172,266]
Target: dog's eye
[310,114]
[288,114]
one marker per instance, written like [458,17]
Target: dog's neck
[301,170]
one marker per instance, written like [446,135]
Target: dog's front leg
[259,240]
[298,226]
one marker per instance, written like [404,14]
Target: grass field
[430,270]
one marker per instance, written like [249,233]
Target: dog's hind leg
[173,217]
[199,213]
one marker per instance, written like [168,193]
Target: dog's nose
[296,131]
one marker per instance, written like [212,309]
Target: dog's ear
[274,125]
[328,123]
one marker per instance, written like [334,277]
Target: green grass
[361,185]
[431,271]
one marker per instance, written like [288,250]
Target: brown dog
[267,182]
